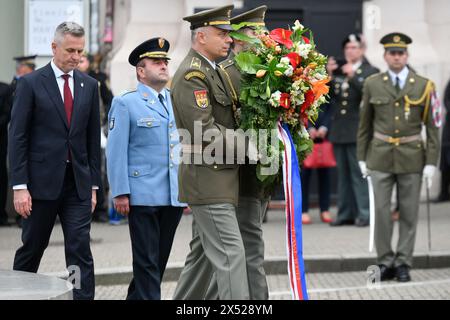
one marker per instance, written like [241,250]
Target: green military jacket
[383,110]
[345,98]
[198,94]
[249,184]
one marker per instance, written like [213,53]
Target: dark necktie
[397,84]
[68,99]
[161,99]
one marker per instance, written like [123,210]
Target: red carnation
[282,36]
[306,40]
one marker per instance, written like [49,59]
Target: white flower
[284,62]
[303,132]
[304,49]
[289,71]
[275,98]
[297,26]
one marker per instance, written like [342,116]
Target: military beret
[155,48]
[251,18]
[218,17]
[396,41]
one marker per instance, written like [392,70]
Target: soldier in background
[444,194]
[391,151]
[101,211]
[24,66]
[4,120]
[346,93]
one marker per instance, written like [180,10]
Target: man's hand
[428,173]
[363,168]
[23,203]
[94,200]
[122,204]
[347,69]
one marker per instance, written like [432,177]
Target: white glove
[252,152]
[363,168]
[428,173]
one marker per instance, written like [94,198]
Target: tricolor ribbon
[293,196]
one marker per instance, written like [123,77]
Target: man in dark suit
[4,119]
[54,149]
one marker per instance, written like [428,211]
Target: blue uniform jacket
[141,150]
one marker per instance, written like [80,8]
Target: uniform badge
[196,63]
[161,42]
[111,123]
[201,97]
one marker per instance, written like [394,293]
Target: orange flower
[320,88]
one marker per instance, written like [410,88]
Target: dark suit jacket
[445,152]
[40,138]
[4,105]
[344,102]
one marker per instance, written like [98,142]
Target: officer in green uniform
[252,198]
[390,149]
[346,95]
[211,190]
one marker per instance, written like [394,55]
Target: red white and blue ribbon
[293,196]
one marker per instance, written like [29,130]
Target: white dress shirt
[60,81]
[212,63]
[402,75]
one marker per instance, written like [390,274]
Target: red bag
[322,156]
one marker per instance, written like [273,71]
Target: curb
[278,266]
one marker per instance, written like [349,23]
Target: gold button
[171,125]
[171,156]
[397,117]
[397,131]
[136,173]
[358,71]
[397,104]
[172,145]
[343,111]
[397,144]
[171,165]
[419,145]
[345,94]
[344,103]
[215,167]
[149,124]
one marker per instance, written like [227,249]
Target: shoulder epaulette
[127,92]
[196,63]
[227,63]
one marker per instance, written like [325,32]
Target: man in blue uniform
[142,171]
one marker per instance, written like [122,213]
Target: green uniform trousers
[216,248]
[353,193]
[250,214]
[408,196]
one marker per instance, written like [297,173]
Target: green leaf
[243,37]
[248,62]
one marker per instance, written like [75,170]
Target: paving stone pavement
[430,284]
[111,246]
